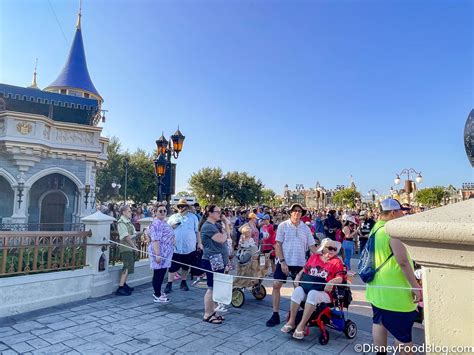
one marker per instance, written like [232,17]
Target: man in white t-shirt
[185,225]
[293,239]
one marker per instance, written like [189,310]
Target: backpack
[366,264]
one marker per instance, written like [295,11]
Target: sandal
[213,319]
[287,328]
[298,334]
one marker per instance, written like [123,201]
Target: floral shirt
[162,232]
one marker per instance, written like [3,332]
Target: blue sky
[290,91]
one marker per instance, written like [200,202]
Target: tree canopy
[233,187]
[141,185]
[346,197]
[431,196]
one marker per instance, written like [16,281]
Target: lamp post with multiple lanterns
[165,150]
[409,183]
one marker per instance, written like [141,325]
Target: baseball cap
[391,204]
[266,216]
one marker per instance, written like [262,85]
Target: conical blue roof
[75,74]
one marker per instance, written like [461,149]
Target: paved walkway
[134,324]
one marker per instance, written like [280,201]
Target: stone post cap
[145,220]
[97,218]
[441,236]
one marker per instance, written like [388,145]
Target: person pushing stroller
[325,268]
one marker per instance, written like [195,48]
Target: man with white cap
[293,239]
[394,309]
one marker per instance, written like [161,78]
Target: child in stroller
[324,269]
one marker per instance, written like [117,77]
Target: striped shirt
[295,242]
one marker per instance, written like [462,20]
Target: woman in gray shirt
[214,257]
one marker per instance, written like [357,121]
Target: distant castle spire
[74,78]
[34,85]
[78,25]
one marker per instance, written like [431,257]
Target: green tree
[111,172]
[206,181]
[239,187]
[141,184]
[346,197]
[268,197]
[431,196]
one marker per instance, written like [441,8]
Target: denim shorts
[206,264]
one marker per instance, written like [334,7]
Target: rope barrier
[264,278]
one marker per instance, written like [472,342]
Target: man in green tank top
[394,310]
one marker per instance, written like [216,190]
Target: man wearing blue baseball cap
[394,309]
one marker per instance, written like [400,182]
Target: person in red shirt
[326,269]
[269,239]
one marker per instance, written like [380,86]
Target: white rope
[264,278]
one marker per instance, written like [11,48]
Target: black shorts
[280,276]
[181,258]
[399,324]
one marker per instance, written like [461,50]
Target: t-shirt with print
[269,235]
[185,232]
[295,241]
[366,227]
[317,270]
[211,247]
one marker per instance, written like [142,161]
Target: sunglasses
[331,248]
[182,206]
[161,211]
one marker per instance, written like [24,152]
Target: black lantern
[161,145]
[160,165]
[178,139]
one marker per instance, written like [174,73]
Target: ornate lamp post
[160,171]
[165,150]
[373,193]
[125,166]
[409,184]
[87,191]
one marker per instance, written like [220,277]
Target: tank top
[397,300]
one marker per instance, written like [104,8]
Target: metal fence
[24,252]
[41,227]
[141,241]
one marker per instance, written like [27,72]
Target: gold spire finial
[78,26]
[34,85]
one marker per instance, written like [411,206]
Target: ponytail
[208,209]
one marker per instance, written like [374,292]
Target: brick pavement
[119,325]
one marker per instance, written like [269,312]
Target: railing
[141,241]
[24,252]
[41,226]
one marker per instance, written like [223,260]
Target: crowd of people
[306,245]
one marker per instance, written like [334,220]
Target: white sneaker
[161,299]
[220,308]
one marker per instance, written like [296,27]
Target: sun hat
[391,204]
[182,202]
[298,205]
[327,242]
[351,219]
